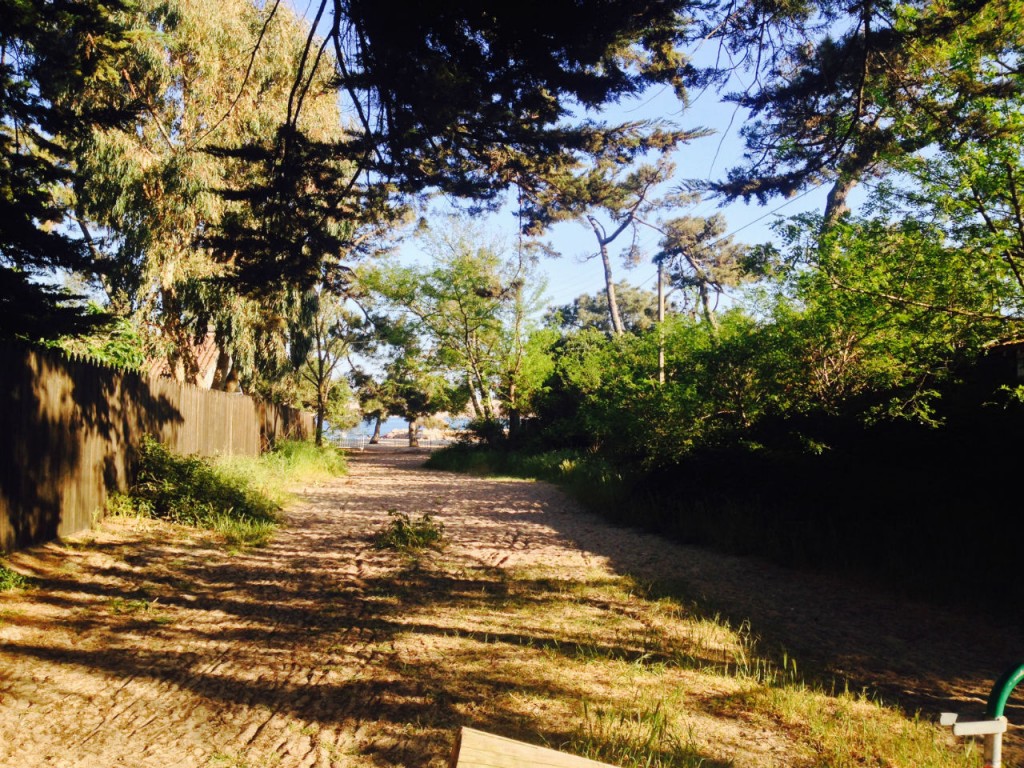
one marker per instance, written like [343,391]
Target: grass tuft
[637,738]
[11,580]
[407,534]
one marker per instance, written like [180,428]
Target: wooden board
[476,749]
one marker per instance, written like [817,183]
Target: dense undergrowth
[920,510]
[239,497]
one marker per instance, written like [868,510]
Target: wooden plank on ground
[476,749]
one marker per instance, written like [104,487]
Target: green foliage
[329,335]
[407,534]
[193,491]
[470,311]
[118,344]
[56,75]
[10,580]
[638,309]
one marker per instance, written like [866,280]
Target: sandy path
[142,650]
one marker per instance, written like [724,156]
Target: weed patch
[10,580]
[407,534]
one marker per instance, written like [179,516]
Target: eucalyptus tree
[211,75]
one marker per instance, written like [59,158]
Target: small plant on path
[406,534]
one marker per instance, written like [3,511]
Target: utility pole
[660,258]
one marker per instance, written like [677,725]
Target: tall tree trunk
[414,438]
[319,424]
[473,398]
[220,375]
[375,438]
[514,417]
[835,203]
[709,315]
[609,284]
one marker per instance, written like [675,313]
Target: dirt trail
[147,650]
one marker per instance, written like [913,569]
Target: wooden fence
[70,432]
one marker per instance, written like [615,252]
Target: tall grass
[238,497]
[291,463]
[641,737]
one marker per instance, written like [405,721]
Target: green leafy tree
[413,390]
[473,306]
[117,343]
[323,388]
[638,309]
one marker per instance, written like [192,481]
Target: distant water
[389,425]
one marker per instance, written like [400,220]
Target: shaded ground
[139,648]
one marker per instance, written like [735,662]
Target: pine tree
[57,81]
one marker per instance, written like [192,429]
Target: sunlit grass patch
[239,498]
[634,737]
[849,730]
[290,463]
[620,671]
[11,579]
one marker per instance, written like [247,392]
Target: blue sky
[708,158]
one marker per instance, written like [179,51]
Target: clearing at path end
[145,645]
